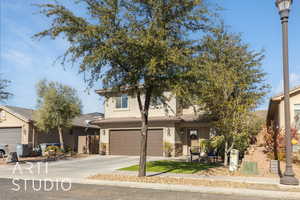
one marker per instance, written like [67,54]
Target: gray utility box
[23,150]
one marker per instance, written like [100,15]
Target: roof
[105,91]
[84,119]
[278,98]
[184,118]
[281,95]
[132,119]
[27,115]
[195,118]
[23,113]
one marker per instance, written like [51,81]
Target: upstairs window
[297,116]
[122,101]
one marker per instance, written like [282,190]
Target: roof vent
[87,122]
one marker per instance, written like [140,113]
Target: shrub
[168,148]
[53,148]
[211,145]
[103,148]
[68,149]
[275,141]
[204,145]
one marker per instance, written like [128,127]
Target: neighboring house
[168,124]
[17,126]
[275,116]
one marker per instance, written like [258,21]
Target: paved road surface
[96,192]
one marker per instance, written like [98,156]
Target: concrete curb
[188,188]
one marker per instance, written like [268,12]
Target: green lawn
[173,167]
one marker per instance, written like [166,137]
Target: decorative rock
[12,157]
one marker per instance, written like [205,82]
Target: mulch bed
[192,182]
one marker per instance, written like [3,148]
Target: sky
[25,61]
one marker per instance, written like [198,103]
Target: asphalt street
[19,190]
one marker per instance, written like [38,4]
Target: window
[122,101]
[297,116]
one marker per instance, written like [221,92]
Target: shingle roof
[83,119]
[24,112]
[27,115]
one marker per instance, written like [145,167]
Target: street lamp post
[288,177]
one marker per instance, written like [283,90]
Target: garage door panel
[10,136]
[127,142]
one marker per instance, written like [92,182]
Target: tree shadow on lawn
[179,167]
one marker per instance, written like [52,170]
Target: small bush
[53,148]
[103,148]
[204,145]
[68,149]
[168,147]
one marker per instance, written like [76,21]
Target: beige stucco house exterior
[169,124]
[17,127]
[275,116]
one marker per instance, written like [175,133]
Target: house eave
[133,120]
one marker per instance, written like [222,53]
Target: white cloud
[18,58]
[294,81]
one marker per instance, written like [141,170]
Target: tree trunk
[144,109]
[226,154]
[61,139]
[143,147]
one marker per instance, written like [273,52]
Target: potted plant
[103,149]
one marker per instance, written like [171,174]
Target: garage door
[10,136]
[127,142]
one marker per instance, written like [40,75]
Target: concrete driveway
[71,169]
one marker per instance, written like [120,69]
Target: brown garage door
[127,142]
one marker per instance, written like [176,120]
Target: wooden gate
[93,144]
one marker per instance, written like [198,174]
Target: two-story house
[169,123]
[276,117]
